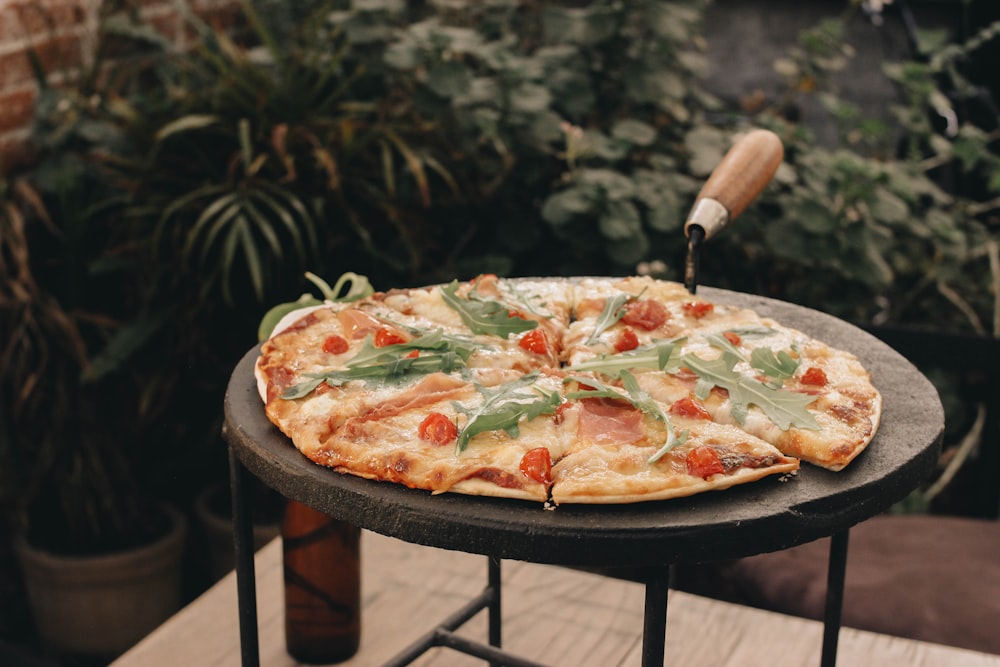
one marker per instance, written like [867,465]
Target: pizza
[588,390]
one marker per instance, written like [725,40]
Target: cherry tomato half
[386,336]
[536,464]
[698,309]
[703,461]
[335,345]
[535,341]
[627,340]
[437,429]
[689,407]
[814,376]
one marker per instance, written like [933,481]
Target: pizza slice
[519,324]
[810,400]
[617,315]
[627,447]
[807,398]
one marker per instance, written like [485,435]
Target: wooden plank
[559,616]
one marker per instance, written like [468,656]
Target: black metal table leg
[246,585]
[654,627]
[494,605]
[836,572]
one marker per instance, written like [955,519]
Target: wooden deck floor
[561,617]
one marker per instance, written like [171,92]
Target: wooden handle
[745,171]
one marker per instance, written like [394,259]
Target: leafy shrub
[417,142]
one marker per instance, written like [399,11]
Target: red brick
[21,18]
[54,55]
[16,109]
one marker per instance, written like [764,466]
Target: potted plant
[99,551]
[75,506]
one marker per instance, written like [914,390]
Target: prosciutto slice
[609,422]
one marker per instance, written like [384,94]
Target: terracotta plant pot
[101,605]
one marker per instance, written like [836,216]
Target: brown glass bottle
[322,567]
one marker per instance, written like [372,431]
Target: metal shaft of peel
[738,179]
[695,236]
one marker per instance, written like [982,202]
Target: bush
[418,142]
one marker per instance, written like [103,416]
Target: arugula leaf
[779,366]
[753,332]
[597,389]
[485,316]
[504,408]
[723,343]
[525,300]
[435,340]
[614,310]
[784,408]
[437,352]
[389,368]
[639,398]
[661,356]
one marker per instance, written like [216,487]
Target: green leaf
[815,217]
[404,55]
[634,131]
[430,341]
[251,255]
[359,287]
[614,310]
[627,251]
[449,79]
[530,98]
[658,193]
[561,207]
[505,407]
[660,356]
[635,395]
[485,316]
[605,147]
[889,207]
[706,146]
[615,185]
[122,345]
[276,313]
[390,365]
[784,408]
[620,221]
[779,366]
[579,25]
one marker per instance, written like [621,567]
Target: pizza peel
[742,174]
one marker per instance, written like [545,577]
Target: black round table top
[753,518]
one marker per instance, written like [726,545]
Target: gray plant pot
[101,605]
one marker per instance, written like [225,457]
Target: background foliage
[176,196]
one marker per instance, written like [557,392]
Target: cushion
[930,578]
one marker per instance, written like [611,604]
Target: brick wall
[62,33]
